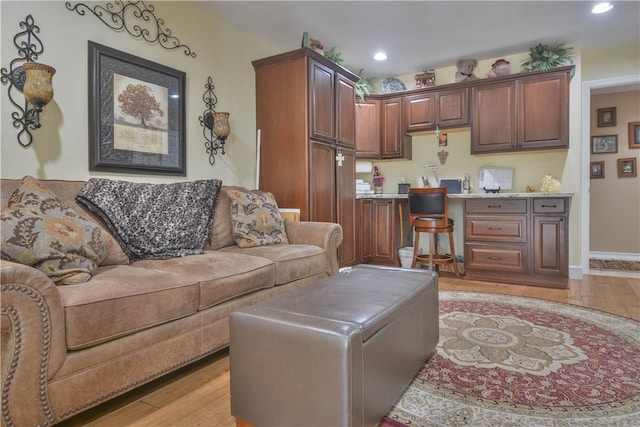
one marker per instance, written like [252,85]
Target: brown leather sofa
[68,348]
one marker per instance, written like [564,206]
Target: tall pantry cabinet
[305,115]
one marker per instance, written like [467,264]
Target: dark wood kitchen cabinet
[382,230]
[368,129]
[446,108]
[517,240]
[522,113]
[394,143]
[305,113]
[379,130]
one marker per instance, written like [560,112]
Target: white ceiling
[430,34]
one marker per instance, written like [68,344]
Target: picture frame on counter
[603,144]
[634,134]
[606,117]
[597,170]
[627,167]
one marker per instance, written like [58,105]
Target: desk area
[517,238]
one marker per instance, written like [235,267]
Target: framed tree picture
[634,134]
[606,117]
[597,170]
[136,114]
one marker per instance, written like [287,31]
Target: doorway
[631,82]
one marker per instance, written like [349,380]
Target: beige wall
[613,62]
[60,147]
[615,202]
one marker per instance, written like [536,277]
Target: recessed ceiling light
[602,7]
[380,56]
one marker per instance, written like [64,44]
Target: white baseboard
[618,256]
[575,272]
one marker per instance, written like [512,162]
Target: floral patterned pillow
[40,230]
[256,220]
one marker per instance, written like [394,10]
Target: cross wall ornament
[340,158]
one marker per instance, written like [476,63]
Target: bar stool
[429,213]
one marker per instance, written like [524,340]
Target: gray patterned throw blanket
[154,221]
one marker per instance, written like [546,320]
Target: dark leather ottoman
[337,353]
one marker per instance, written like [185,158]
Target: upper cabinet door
[345,112]
[543,111]
[391,133]
[368,129]
[321,102]
[493,120]
[453,108]
[419,111]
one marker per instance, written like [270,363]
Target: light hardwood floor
[198,395]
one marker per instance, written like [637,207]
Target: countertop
[469,196]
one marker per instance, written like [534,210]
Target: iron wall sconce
[215,125]
[31,78]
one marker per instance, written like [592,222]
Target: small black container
[403,188]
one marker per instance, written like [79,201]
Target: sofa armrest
[327,235]
[33,343]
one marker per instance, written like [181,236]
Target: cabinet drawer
[549,205]
[497,206]
[504,258]
[511,228]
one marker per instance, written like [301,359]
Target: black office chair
[429,213]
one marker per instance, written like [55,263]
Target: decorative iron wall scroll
[137,19]
[29,47]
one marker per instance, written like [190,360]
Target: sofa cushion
[40,230]
[292,262]
[222,229]
[121,300]
[256,220]
[154,221]
[67,191]
[221,276]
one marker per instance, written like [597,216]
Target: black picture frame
[597,170]
[121,141]
[607,117]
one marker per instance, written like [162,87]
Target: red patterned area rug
[514,361]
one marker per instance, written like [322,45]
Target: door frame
[587,87]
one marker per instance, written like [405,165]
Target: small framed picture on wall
[606,117]
[597,169]
[634,134]
[627,168]
[604,144]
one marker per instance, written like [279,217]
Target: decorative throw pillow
[154,221]
[40,230]
[256,220]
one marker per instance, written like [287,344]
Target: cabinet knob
[494,206]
